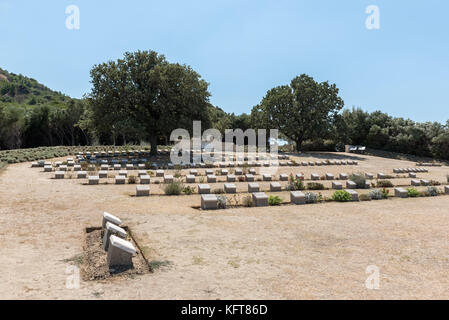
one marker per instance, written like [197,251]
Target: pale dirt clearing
[290,252]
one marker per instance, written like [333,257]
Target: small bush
[295,184]
[315,186]
[311,197]
[188,190]
[384,184]
[218,191]
[274,200]
[341,196]
[413,193]
[376,195]
[132,179]
[365,197]
[435,183]
[432,191]
[221,202]
[359,180]
[248,201]
[385,193]
[173,188]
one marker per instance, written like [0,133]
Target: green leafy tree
[303,110]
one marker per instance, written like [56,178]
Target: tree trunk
[298,143]
[153,143]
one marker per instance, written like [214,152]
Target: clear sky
[243,48]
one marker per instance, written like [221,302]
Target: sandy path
[290,252]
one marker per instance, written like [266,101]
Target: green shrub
[311,197]
[173,188]
[432,191]
[384,184]
[274,200]
[413,193]
[385,193]
[341,196]
[188,190]
[315,186]
[295,184]
[132,179]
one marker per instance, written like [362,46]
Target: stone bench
[110,230]
[267,177]
[415,182]
[203,189]
[59,175]
[337,185]
[209,202]
[145,179]
[260,199]
[168,178]
[297,197]
[120,179]
[93,180]
[400,193]
[354,194]
[275,187]
[120,253]
[283,177]
[81,175]
[253,187]
[230,188]
[142,191]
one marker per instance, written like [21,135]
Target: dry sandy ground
[291,252]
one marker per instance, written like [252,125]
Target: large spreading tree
[303,110]
[144,91]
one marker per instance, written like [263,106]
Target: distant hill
[18,89]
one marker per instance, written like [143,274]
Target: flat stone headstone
[337,185]
[120,179]
[267,177]
[415,182]
[283,177]
[343,176]
[381,175]
[190,178]
[249,177]
[253,187]
[224,172]
[168,178]
[93,180]
[209,172]
[123,173]
[77,167]
[48,169]
[160,173]
[120,252]
[145,179]
[63,168]
[252,171]
[230,188]
[412,175]
[230,178]
[315,176]
[107,217]
[142,191]
[297,197]
[351,185]
[142,173]
[354,194]
[211,178]
[425,182]
[103,174]
[275,187]
[194,172]
[400,193]
[59,174]
[369,176]
[446,190]
[238,172]
[81,175]
[112,229]
[260,199]
[117,167]
[203,189]
[209,202]
[329,176]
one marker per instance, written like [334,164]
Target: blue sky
[244,48]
